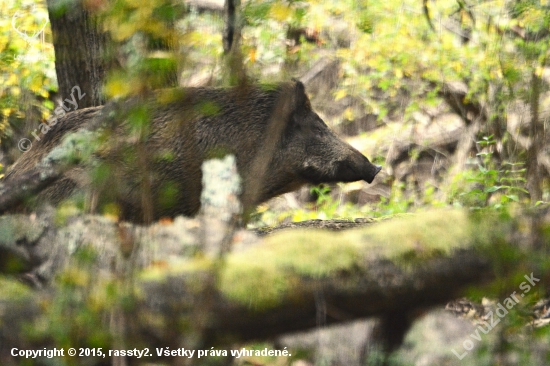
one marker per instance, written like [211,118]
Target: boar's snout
[356,168]
[378,168]
[339,163]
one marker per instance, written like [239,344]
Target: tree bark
[80,51]
[234,64]
[232,30]
[27,185]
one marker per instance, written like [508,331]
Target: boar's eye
[297,122]
[319,127]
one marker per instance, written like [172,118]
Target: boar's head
[309,152]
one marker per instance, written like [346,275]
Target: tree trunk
[236,74]
[80,52]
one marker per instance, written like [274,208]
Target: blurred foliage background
[27,74]
[451,97]
[397,61]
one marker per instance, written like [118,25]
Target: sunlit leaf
[280,11]
[492,189]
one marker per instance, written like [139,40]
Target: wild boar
[279,143]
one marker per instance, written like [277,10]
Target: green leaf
[48,104]
[513,197]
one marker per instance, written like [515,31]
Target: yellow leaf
[123,31]
[280,11]
[12,80]
[154,28]
[35,84]
[262,208]
[340,94]
[117,88]
[15,91]
[348,114]
[111,210]
[43,93]
[252,55]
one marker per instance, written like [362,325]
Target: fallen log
[150,280]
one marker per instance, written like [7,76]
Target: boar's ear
[301,101]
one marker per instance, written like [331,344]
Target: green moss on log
[261,276]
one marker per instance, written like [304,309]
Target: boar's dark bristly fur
[197,123]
